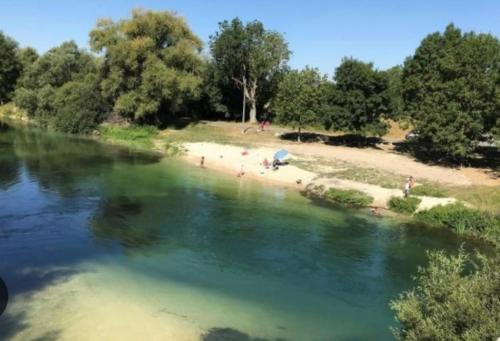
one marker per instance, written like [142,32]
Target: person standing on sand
[407,188]
[202,162]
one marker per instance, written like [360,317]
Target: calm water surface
[101,242]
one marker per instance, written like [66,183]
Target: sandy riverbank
[233,159]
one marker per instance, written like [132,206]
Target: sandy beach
[234,160]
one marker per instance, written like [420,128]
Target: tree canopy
[451,90]
[152,65]
[302,98]
[250,56]
[47,86]
[360,98]
[10,67]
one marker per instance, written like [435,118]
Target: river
[101,242]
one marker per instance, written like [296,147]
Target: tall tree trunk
[252,94]
[299,135]
[244,102]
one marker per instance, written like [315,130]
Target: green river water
[104,243]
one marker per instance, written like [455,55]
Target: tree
[51,92]
[394,93]
[78,106]
[360,98]
[451,302]
[301,98]
[26,56]
[451,90]
[250,56]
[10,67]
[152,66]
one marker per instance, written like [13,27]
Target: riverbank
[377,172]
[249,162]
[470,196]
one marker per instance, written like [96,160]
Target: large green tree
[10,67]
[360,98]
[152,65]
[451,89]
[249,56]
[302,98]
[59,89]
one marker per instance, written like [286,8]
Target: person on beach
[202,162]
[407,188]
[241,172]
[265,163]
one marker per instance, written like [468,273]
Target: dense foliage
[60,90]
[249,56]
[451,90]
[10,67]
[360,98]
[152,67]
[455,298]
[464,220]
[302,98]
[406,205]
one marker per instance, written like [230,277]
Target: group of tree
[150,69]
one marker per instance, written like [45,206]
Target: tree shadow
[485,157]
[179,123]
[347,140]
[230,334]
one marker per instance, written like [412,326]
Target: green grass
[464,220]
[351,198]
[431,190]
[133,135]
[404,205]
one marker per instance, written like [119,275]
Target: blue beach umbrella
[281,154]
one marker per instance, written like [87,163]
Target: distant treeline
[150,69]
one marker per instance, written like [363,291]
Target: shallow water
[99,242]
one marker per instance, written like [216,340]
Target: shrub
[78,106]
[350,197]
[429,190]
[404,205]
[464,220]
[450,303]
[172,149]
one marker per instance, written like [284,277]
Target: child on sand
[408,185]
[202,162]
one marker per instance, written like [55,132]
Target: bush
[351,197]
[78,106]
[429,190]
[450,303]
[464,220]
[404,205]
